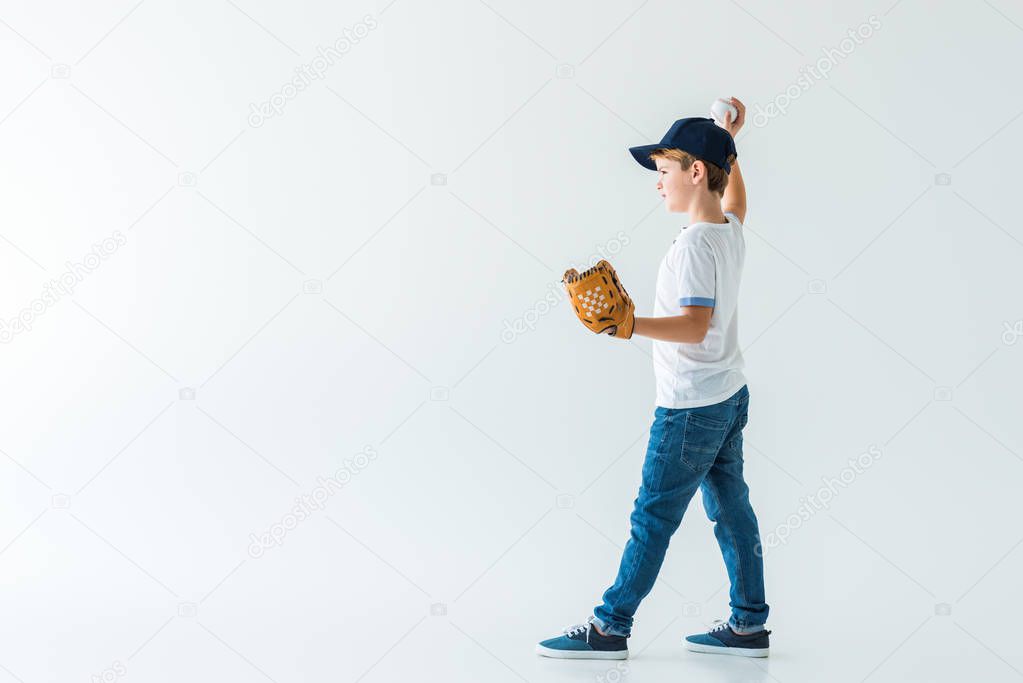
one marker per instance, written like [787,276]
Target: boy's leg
[682,447]
[726,500]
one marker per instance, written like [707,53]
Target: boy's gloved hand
[599,300]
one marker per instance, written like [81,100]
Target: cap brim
[642,155]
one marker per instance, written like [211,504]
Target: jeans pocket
[702,438]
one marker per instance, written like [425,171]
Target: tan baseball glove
[600,301]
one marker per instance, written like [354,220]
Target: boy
[702,401]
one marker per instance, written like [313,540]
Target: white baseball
[720,107]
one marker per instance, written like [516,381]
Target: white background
[339,277]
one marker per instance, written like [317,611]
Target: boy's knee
[657,515]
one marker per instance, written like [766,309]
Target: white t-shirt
[703,267]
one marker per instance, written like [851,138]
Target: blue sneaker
[583,641]
[721,639]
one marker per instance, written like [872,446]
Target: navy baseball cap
[698,136]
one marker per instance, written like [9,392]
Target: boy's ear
[702,165]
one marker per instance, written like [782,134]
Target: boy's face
[675,185]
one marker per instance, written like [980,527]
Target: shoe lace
[718,625]
[574,630]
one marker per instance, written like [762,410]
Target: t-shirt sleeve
[696,279]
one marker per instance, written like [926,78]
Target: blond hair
[717,179]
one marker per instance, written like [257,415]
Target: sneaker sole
[737,651]
[581,654]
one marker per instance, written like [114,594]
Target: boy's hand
[599,300]
[733,127]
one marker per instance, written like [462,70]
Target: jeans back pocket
[702,438]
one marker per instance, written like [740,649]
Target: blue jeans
[692,448]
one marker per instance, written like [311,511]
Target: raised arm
[734,198]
